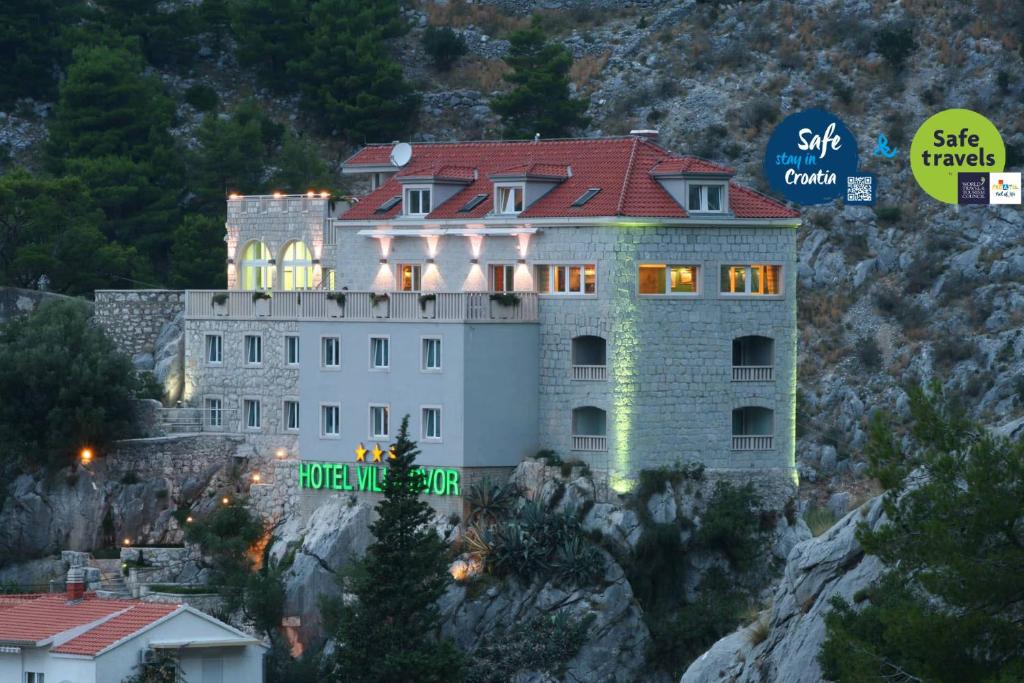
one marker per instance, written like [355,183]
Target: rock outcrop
[831,564]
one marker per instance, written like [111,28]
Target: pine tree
[197,254]
[271,34]
[31,48]
[389,631]
[540,101]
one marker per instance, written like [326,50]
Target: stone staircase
[112,585]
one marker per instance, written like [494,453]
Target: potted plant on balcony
[502,305]
[428,305]
[381,304]
[337,309]
[261,300]
[219,301]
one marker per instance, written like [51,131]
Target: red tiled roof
[440,172]
[136,618]
[47,615]
[621,167]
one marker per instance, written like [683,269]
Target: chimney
[76,584]
[649,133]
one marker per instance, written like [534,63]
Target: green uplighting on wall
[623,366]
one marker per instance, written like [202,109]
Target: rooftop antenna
[401,153]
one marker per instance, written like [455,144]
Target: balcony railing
[590,373]
[582,442]
[753,373]
[751,442]
[359,306]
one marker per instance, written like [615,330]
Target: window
[330,420]
[328,279]
[589,429]
[586,196]
[573,280]
[705,198]
[655,278]
[752,429]
[253,349]
[256,266]
[253,419]
[291,416]
[431,353]
[214,349]
[501,277]
[509,199]
[388,205]
[473,203]
[758,279]
[296,267]
[432,424]
[32,677]
[213,408]
[330,352]
[378,422]
[409,276]
[417,202]
[379,353]
[291,350]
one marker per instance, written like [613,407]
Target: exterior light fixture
[281,453]
[188,520]
[233,196]
[474,261]
[430,260]
[521,261]
[272,262]
[86,455]
[231,261]
[310,194]
[225,500]
[316,262]
[256,478]
[324,194]
[277,195]
[127,541]
[383,260]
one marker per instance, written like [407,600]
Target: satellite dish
[400,154]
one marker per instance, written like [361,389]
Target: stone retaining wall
[134,318]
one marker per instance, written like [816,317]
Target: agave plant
[489,502]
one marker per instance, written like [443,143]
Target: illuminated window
[417,202]
[253,419]
[328,279]
[213,408]
[214,349]
[501,277]
[256,259]
[330,420]
[379,353]
[705,198]
[431,424]
[379,422]
[291,416]
[655,278]
[296,267]
[509,199]
[253,349]
[431,353]
[758,279]
[566,280]
[409,275]
[330,352]
[291,350]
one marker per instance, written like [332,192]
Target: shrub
[489,501]
[819,520]
[731,525]
[886,300]
[759,112]
[950,349]
[888,214]
[542,644]
[202,97]
[869,353]
[653,481]
[895,43]
[444,46]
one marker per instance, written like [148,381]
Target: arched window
[296,267]
[752,359]
[589,357]
[589,429]
[753,428]
[256,259]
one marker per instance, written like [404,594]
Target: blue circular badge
[810,155]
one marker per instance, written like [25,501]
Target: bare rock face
[169,358]
[615,642]
[831,564]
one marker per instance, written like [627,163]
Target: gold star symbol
[360,453]
[392,455]
[377,452]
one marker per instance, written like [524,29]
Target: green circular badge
[951,142]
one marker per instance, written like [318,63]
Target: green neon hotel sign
[343,476]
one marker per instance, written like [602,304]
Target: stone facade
[135,318]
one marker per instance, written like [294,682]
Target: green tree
[197,255]
[271,34]
[165,32]
[31,47]
[395,588]
[299,167]
[227,537]
[948,608]
[444,46]
[73,387]
[50,226]
[348,79]
[540,101]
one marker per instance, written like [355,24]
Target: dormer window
[706,197]
[417,201]
[508,199]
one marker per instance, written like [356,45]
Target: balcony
[590,373]
[752,443]
[357,306]
[753,373]
[582,442]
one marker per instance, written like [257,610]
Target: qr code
[860,189]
